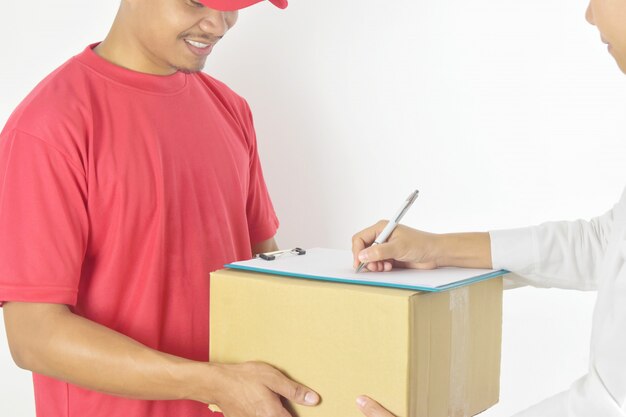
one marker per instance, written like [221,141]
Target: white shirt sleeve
[556,254]
[581,255]
[587,397]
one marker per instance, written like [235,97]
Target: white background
[503,113]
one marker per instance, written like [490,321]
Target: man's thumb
[297,392]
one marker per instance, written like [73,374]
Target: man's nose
[214,23]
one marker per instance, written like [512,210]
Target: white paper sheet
[336,265]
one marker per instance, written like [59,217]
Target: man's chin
[189,70]
[191,66]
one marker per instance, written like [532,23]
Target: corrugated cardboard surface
[419,354]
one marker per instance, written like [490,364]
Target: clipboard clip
[270,256]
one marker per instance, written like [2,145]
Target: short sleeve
[262,220]
[43,221]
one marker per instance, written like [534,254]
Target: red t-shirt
[119,193]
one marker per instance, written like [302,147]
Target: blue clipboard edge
[374,284]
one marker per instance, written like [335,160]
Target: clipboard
[335,265]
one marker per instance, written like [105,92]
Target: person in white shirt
[585,255]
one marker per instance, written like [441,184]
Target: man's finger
[272,408]
[296,392]
[371,408]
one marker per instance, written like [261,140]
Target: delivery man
[126,177]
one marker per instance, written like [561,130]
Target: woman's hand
[405,248]
[371,408]
[410,248]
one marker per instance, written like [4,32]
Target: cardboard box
[419,354]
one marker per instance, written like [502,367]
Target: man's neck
[123,50]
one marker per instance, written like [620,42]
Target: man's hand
[253,389]
[371,408]
[410,248]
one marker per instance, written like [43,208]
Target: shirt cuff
[52,295]
[512,249]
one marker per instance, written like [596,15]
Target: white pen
[382,238]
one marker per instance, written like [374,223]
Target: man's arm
[51,340]
[268,245]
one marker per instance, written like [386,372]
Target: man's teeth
[197,44]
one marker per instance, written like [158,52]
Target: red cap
[228,5]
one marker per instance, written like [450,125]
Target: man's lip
[208,44]
[199,51]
